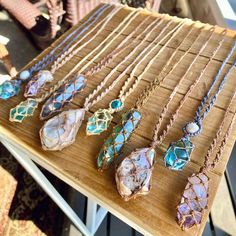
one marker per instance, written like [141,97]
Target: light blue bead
[24,75]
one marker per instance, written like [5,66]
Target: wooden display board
[155,213]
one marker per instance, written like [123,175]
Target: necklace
[11,88]
[45,76]
[194,199]
[143,160]
[178,154]
[122,132]
[27,108]
[60,131]
[102,118]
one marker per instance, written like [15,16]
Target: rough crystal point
[9,88]
[60,131]
[37,83]
[193,202]
[133,175]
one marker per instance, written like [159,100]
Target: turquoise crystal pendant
[178,154]
[98,122]
[9,88]
[23,110]
[120,135]
[101,119]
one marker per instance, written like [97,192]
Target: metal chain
[203,109]
[50,57]
[150,48]
[210,166]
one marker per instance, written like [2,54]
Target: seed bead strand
[89,103]
[159,139]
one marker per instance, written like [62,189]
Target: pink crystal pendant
[61,130]
[133,175]
[193,202]
[37,83]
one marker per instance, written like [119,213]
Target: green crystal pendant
[178,154]
[99,122]
[23,110]
[120,135]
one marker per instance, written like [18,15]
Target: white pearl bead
[24,75]
[192,128]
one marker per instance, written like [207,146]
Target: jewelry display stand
[155,213]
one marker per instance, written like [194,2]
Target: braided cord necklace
[146,155]
[178,154]
[63,139]
[122,132]
[194,199]
[27,107]
[45,76]
[102,118]
[11,88]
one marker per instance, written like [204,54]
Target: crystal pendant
[23,110]
[37,83]
[60,131]
[133,175]
[193,202]
[98,122]
[178,154]
[9,88]
[120,135]
[64,95]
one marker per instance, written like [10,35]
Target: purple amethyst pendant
[133,175]
[37,83]
[193,202]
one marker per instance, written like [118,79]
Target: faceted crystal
[193,202]
[37,83]
[133,175]
[178,154]
[98,122]
[9,89]
[61,130]
[23,110]
[64,95]
[120,135]
[116,104]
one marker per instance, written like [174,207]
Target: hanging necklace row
[57,133]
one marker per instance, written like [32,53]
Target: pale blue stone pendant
[178,154]
[101,119]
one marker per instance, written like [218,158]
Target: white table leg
[40,178]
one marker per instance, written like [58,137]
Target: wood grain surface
[76,165]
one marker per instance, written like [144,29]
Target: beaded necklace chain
[194,199]
[11,88]
[64,133]
[45,76]
[122,132]
[27,108]
[143,159]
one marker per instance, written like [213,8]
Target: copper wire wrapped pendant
[120,135]
[133,175]
[37,83]
[61,130]
[193,202]
[64,95]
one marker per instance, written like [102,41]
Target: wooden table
[153,214]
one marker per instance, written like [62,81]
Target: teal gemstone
[116,104]
[120,135]
[9,89]
[178,154]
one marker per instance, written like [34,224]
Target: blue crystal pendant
[114,143]
[178,154]
[9,88]
[101,119]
